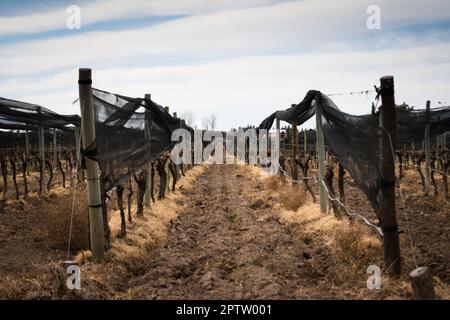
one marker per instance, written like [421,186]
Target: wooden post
[55,150]
[422,284]
[294,151]
[148,126]
[427,150]
[77,144]
[277,132]
[166,168]
[444,142]
[305,141]
[387,175]
[320,150]
[42,152]
[93,179]
[27,144]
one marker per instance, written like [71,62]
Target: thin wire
[366,92]
[349,213]
[71,216]
[347,210]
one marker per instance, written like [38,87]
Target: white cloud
[293,26]
[243,62]
[244,90]
[110,10]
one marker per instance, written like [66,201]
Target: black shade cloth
[122,142]
[355,139]
[14,140]
[17,115]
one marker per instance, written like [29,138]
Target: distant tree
[212,121]
[205,123]
[404,107]
[188,117]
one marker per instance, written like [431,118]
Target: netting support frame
[96,232]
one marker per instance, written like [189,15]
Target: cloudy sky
[240,59]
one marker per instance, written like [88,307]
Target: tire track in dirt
[226,245]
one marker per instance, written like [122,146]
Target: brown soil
[228,232]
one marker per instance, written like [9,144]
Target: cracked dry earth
[226,244]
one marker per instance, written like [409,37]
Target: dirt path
[226,244]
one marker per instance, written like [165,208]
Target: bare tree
[212,121]
[205,123]
[188,117]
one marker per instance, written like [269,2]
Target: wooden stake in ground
[320,148]
[147,131]
[294,150]
[422,284]
[27,144]
[305,141]
[55,149]
[42,181]
[387,175]
[427,143]
[278,139]
[93,182]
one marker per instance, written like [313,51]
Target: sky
[241,59]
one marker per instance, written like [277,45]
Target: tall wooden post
[148,126]
[305,141]
[55,150]
[427,150]
[277,132]
[77,144]
[294,150]
[387,175]
[166,168]
[444,142]
[93,178]
[27,144]
[320,150]
[42,152]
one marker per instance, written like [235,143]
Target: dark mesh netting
[355,139]
[355,142]
[17,115]
[130,132]
[17,140]
[411,124]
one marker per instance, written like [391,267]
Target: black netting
[122,139]
[411,124]
[18,115]
[14,140]
[355,139]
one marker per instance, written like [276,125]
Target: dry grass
[129,257]
[55,217]
[342,252]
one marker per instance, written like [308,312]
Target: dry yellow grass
[129,256]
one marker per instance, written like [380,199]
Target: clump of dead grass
[292,197]
[55,217]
